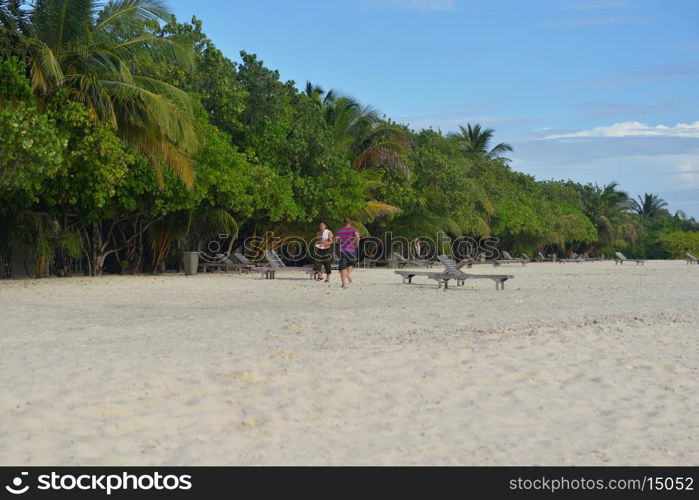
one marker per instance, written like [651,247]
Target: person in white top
[323,252]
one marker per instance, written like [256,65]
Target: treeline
[127,137]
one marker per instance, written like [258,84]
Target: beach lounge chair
[525,256]
[452,272]
[620,259]
[225,263]
[574,257]
[481,260]
[691,259]
[540,257]
[276,264]
[508,259]
[243,260]
[401,261]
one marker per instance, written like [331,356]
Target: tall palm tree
[360,133]
[477,140]
[93,52]
[12,15]
[608,209]
[315,93]
[648,205]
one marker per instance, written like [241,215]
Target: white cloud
[635,129]
[689,173]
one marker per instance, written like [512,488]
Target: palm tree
[314,93]
[421,217]
[12,15]
[648,205]
[608,209]
[476,140]
[360,133]
[93,53]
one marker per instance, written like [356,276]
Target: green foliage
[30,148]
[13,84]
[95,51]
[104,112]
[95,163]
[678,243]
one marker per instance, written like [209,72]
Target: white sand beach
[572,364]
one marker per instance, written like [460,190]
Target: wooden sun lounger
[451,272]
[224,263]
[275,264]
[511,260]
[540,257]
[243,259]
[620,259]
[403,262]
[577,258]
[691,259]
[469,262]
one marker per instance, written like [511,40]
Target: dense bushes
[100,169]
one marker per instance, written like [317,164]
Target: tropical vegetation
[126,137]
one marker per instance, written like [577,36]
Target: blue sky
[592,90]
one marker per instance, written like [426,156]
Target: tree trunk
[98,251]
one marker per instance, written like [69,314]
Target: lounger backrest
[225,258]
[274,259]
[692,257]
[620,256]
[541,255]
[526,256]
[449,265]
[279,259]
[507,255]
[242,258]
[398,257]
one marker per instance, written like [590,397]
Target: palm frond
[148,46]
[141,10]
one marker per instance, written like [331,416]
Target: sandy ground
[572,364]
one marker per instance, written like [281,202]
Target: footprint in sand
[252,422]
[297,324]
[285,355]
[250,377]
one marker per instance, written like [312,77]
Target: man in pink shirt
[348,239]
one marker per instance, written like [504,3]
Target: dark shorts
[347,259]
[323,260]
